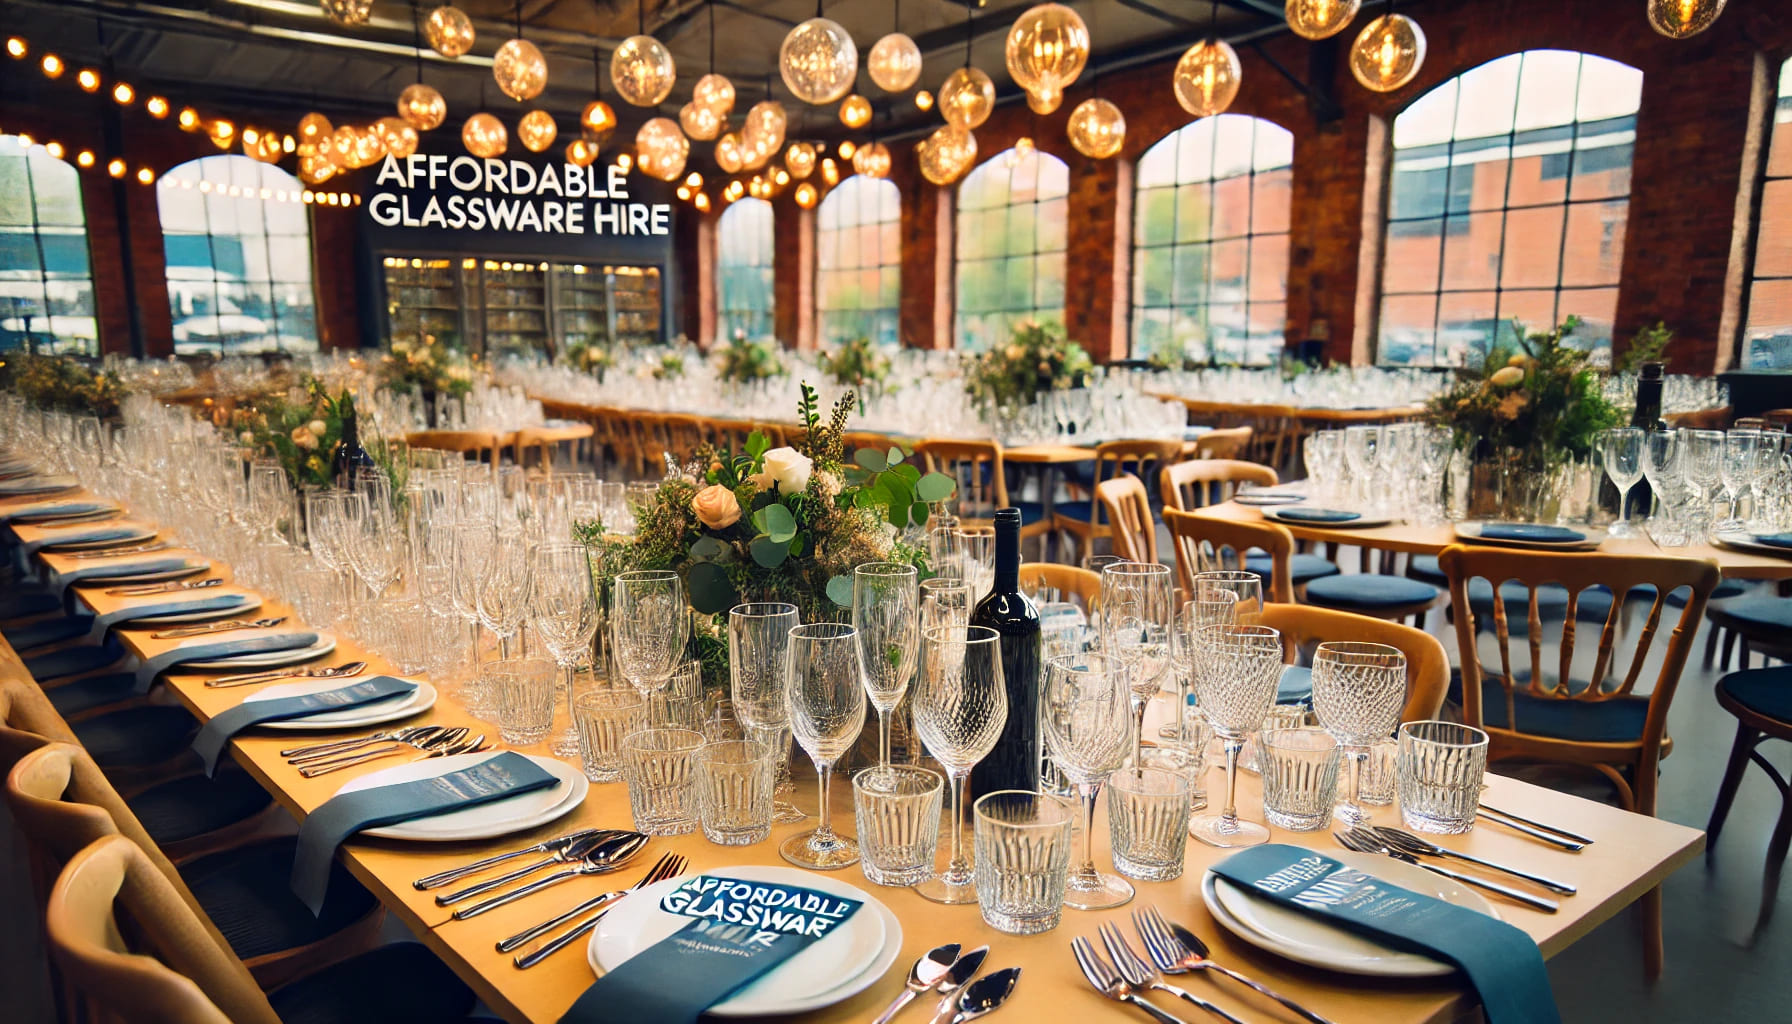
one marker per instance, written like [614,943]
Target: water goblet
[1621,449]
[960,706]
[826,692]
[1358,691]
[1137,615]
[886,612]
[1086,716]
[1236,669]
[566,614]
[649,623]
[758,665]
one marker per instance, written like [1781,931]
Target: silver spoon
[963,970]
[165,588]
[985,995]
[353,668]
[570,853]
[323,764]
[925,973]
[360,741]
[609,855]
[216,627]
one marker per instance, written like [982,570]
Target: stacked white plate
[1591,537]
[1300,518]
[326,643]
[846,962]
[1742,540]
[249,603]
[485,821]
[421,699]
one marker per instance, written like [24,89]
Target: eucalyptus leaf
[769,553]
[895,458]
[776,522]
[840,591]
[712,592]
[919,512]
[871,459]
[907,471]
[935,487]
[707,549]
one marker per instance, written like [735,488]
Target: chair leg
[1776,859]
[1711,644]
[1723,663]
[1746,739]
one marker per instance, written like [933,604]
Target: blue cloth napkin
[739,930]
[63,510]
[207,650]
[505,775]
[1502,963]
[1318,515]
[1530,532]
[36,484]
[216,734]
[104,570]
[87,534]
[172,603]
[1778,540]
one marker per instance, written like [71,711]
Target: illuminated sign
[465,193]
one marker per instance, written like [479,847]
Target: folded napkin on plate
[53,510]
[497,778]
[738,932]
[1318,515]
[1530,532]
[1777,540]
[136,565]
[116,530]
[173,603]
[219,645]
[216,734]
[37,484]
[1502,962]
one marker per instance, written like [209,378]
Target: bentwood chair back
[1128,509]
[174,975]
[1222,443]
[684,435]
[1079,586]
[462,441]
[1305,626]
[1189,485]
[978,468]
[1085,520]
[1203,543]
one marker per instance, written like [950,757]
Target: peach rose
[715,507]
[1506,376]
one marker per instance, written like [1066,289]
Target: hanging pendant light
[800,159]
[855,111]
[397,135]
[1097,128]
[642,70]
[699,122]
[520,70]
[1045,101]
[947,154]
[348,12]
[314,128]
[730,154]
[1046,50]
[872,160]
[763,133]
[818,61]
[716,93]
[661,149]
[1320,19]
[1388,52]
[1206,78]
[536,131]
[484,136]
[894,62]
[967,98]
[449,30]
[1678,19]
[581,152]
[422,106]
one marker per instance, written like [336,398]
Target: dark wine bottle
[350,457]
[1648,417]
[1014,763]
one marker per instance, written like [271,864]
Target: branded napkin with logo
[207,648]
[1536,532]
[1318,515]
[216,734]
[739,931]
[1502,962]
[497,778]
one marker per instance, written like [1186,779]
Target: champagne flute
[886,612]
[1087,729]
[1236,668]
[758,664]
[1621,449]
[503,595]
[826,693]
[1137,611]
[649,624]
[1358,691]
[566,616]
[961,705]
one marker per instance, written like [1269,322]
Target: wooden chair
[1080,586]
[1083,519]
[1131,525]
[1761,700]
[1778,419]
[853,440]
[982,477]
[1304,626]
[684,435]
[544,439]
[1222,443]
[461,441]
[1195,483]
[1202,543]
[1541,712]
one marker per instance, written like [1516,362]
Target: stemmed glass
[1701,460]
[566,616]
[945,601]
[1743,454]
[649,625]
[1321,453]
[1661,460]
[961,706]
[1086,702]
[503,595]
[826,692]
[1236,669]
[1621,448]
[976,551]
[1223,597]
[1361,456]
[1358,691]
[886,612]
[758,665]
[325,531]
[1137,613]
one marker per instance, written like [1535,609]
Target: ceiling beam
[1162,15]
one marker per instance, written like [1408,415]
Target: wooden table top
[1214,407]
[1634,854]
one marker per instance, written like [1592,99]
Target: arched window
[1510,192]
[1210,242]
[46,285]
[238,247]
[1767,340]
[859,261]
[1012,236]
[744,270]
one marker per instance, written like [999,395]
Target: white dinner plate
[135,536]
[38,484]
[326,643]
[1268,498]
[421,699]
[1471,531]
[193,567]
[250,603]
[1744,541]
[845,963]
[69,512]
[1362,522]
[485,821]
[1310,941]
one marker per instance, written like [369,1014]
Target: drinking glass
[1322,453]
[826,691]
[1743,450]
[734,791]
[977,558]
[1023,860]
[961,706]
[524,691]
[897,809]
[1361,456]
[472,546]
[886,612]
[1137,612]
[604,718]
[1375,784]
[1086,704]
[1661,459]
[1621,448]
[566,614]
[1358,691]
[661,768]
[649,623]
[758,666]
[503,595]
[945,601]
[1148,812]
[1236,669]
[1438,771]
[945,553]
[1300,777]
[1701,461]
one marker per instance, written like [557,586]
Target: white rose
[787,468]
[246,437]
[317,428]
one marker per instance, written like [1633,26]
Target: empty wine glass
[826,692]
[1322,453]
[1236,669]
[945,554]
[961,705]
[1137,613]
[886,612]
[1661,460]
[649,624]
[503,595]
[758,667]
[566,616]
[1701,461]
[1086,704]
[1621,448]
[945,601]
[1361,456]
[1358,691]
[1743,455]
[977,558]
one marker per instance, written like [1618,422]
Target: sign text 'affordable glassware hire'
[465,193]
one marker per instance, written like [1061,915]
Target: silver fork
[359,741]
[470,746]
[1420,847]
[668,866]
[1176,950]
[595,863]
[1365,842]
[423,739]
[1104,980]
[1140,974]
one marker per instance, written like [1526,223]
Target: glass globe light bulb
[1045,101]
[661,149]
[598,122]
[315,128]
[806,196]
[422,106]
[699,122]
[715,92]
[581,152]
[316,168]
[348,12]
[947,154]
[818,61]
[520,70]
[763,132]
[830,171]
[924,100]
[643,71]
[800,159]
[536,131]
[449,31]
[1320,19]
[1387,53]
[967,98]
[1206,79]
[872,160]
[730,155]
[894,62]
[1678,19]
[370,145]
[484,136]
[341,149]
[1046,50]
[398,136]
[1097,128]
[855,111]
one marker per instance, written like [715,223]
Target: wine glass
[886,612]
[566,615]
[1087,699]
[1361,456]
[961,706]
[1321,453]
[1743,450]
[977,558]
[649,625]
[945,601]
[826,692]
[758,665]
[503,594]
[1137,612]
[1622,450]
[1661,460]
[1701,460]
[1358,691]
[1236,669]
[945,554]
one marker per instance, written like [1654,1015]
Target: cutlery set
[164,588]
[952,976]
[141,549]
[1408,848]
[353,668]
[431,740]
[181,632]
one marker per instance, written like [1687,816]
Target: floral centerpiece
[669,366]
[744,361]
[860,364]
[1521,417]
[429,366]
[1038,357]
[590,357]
[301,429]
[65,384]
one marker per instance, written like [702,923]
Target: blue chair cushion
[137,737]
[39,632]
[1077,510]
[73,698]
[1607,721]
[28,600]
[1368,591]
[1304,568]
[398,982]
[1767,691]
[248,894]
[1081,474]
[194,805]
[1425,569]
[1761,610]
[1030,512]
[1295,686]
[74,660]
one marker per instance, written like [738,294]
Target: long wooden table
[1633,855]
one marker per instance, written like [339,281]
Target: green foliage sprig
[65,384]
[589,357]
[744,361]
[1038,357]
[860,364]
[426,364]
[1650,345]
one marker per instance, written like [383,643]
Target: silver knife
[216,627]
[115,552]
[442,878]
[165,588]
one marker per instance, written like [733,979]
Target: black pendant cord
[519,19]
[897,25]
[970,25]
[712,36]
[417,36]
[597,73]
[1213,21]
[640,17]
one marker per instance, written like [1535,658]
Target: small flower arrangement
[426,365]
[860,364]
[669,366]
[744,361]
[1038,357]
[589,357]
[301,430]
[1541,398]
[65,384]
